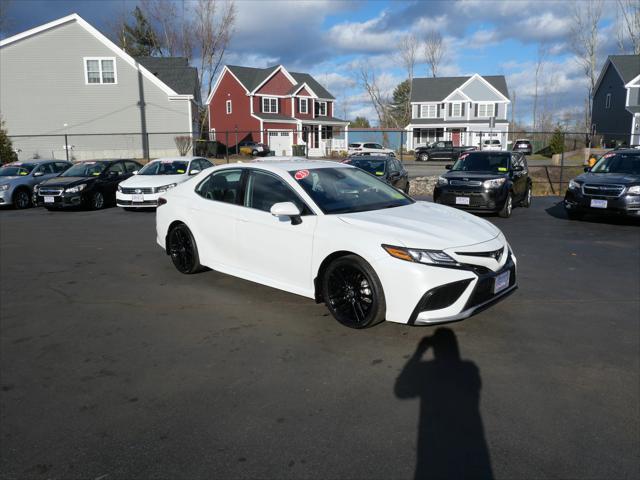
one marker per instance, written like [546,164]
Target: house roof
[175,72]
[628,66]
[252,77]
[437,89]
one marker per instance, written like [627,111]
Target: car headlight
[494,182]
[164,188]
[76,189]
[573,185]
[429,257]
[119,187]
[635,190]
[4,187]
[443,181]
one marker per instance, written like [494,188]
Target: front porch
[420,136]
[324,139]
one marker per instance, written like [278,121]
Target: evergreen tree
[556,144]
[360,122]
[139,39]
[7,154]
[400,108]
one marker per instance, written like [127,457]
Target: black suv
[522,145]
[385,168]
[486,182]
[611,186]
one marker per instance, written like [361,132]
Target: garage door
[281,141]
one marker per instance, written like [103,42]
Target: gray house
[616,101]
[65,77]
[459,109]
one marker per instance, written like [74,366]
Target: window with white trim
[100,70]
[303,105]
[321,109]
[607,101]
[456,109]
[269,105]
[229,107]
[485,110]
[428,111]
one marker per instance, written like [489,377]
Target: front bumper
[65,200]
[625,204]
[146,200]
[480,199]
[6,197]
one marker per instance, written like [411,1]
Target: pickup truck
[441,150]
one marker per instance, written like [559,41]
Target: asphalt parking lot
[113,365]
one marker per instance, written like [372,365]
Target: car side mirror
[448,167]
[194,172]
[135,172]
[113,174]
[586,169]
[518,168]
[38,174]
[287,209]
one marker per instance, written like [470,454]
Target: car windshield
[16,170]
[618,163]
[354,145]
[163,167]
[374,167]
[85,169]
[348,190]
[482,162]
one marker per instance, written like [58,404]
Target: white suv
[491,145]
[368,148]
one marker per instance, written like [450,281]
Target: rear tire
[526,202]
[21,199]
[424,157]
[353,293]
[507,208]
[182,248]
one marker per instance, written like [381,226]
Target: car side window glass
[46,169]
[204,163]
[60,167]
[264,190]
[393,167]
[116,167]
[131,167]
[222,186]
[195,165]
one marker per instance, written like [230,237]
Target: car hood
[5,180]
[66,181]
[473,175]
[424,225]
[142,181]
[605,178]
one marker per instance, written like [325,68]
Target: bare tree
[183,144]
[540,59]
[379,100]
[628,26]
[408,57]
[585,18]
[433,51]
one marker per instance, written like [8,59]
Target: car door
[275,250]
[404,176]
[519,178]
[113,175]
[214,212]
[394,173]
[438,152]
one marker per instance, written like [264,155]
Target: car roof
[33,161]
[286,164]
[370,157]
[522,140]
[176,159]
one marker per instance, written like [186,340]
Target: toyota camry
[339,235]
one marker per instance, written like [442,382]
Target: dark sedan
[385,168]
[611,186]
[90,184]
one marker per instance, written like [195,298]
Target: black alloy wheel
[353,293]
[182,249]
[21,199]
[97,201]
[508,207]
[526,202]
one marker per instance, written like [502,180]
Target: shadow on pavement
[451,440]
[558,211]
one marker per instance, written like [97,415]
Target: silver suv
[17,179]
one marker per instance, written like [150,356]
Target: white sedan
[156,177]
[369,148]
[337,234]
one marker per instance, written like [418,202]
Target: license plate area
[462,200]
[137,197]
[49,200]
[501,282]
[595,203]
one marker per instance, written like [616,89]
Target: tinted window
[131,166]
[222,186]
[370,145]
[46,169]
[354,145]
[117,167]
[16,170]
[204,164]
[394,167]
[482,162]
[618,163]
[347,190]
[85,169]
[60,167]
[374,167]
[263,190]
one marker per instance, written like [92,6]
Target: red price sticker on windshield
[609,155]
[463,156]
[301,174]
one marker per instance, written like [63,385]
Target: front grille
[475,199]
[469,183]
[602,190]
[131,191]
[50,191]
[496,254]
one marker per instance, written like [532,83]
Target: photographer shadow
[451,440]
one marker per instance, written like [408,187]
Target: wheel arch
[317,281]
[166,237]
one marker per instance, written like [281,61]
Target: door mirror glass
[285,209]
[39,173]
[135,172]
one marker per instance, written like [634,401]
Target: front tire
[182,248]
[353,293]
[526,202]
[97,201]
[424,157]
[21,199]
[507,208]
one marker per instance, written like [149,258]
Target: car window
[131,166]
[440,145]
[60,167]
[482,162]
[370,145]
[195,165]
[354,145]
[264,189]
[516,160]
[117,167]
[393,167]
[46,169]
[222,186]
[204,164]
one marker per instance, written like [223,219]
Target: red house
[277,107]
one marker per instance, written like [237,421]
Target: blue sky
[329,38]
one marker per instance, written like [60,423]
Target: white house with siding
[458,109]
[65,77]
